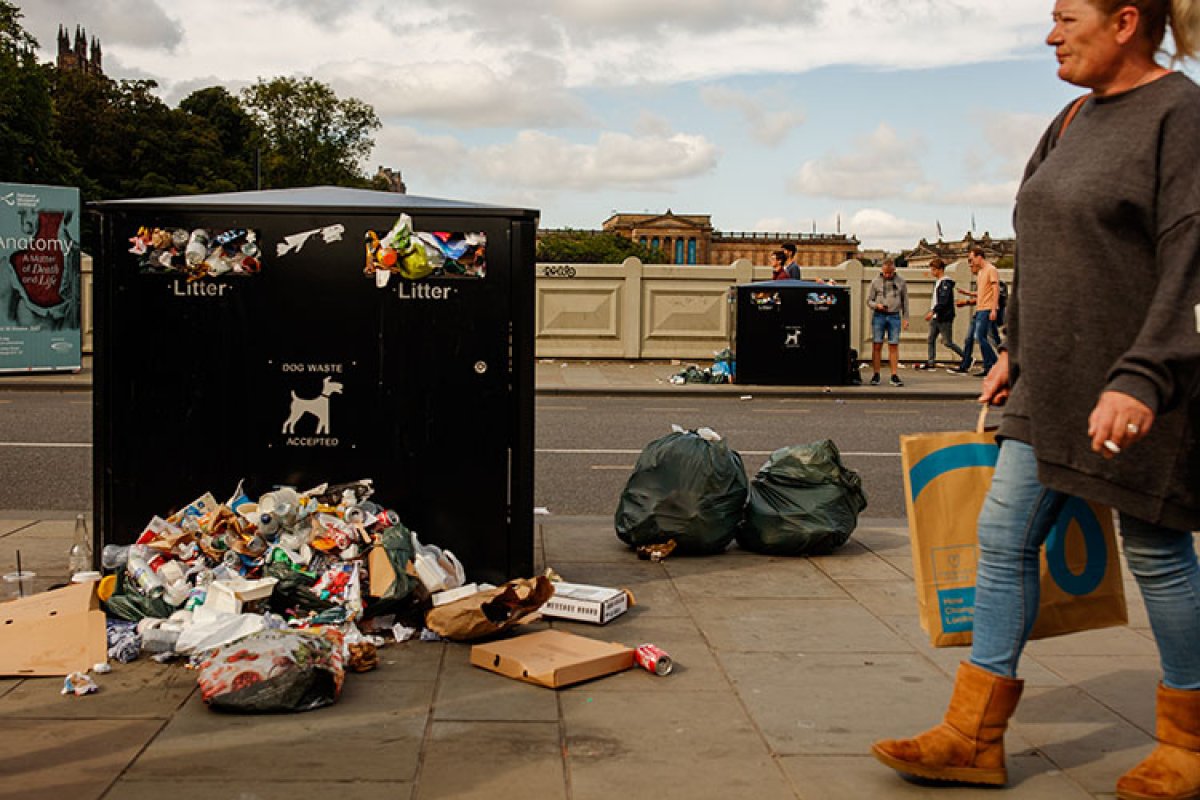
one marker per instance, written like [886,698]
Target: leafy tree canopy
[308,134]
[588,247]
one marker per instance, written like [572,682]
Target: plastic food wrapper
[79,684]
[415,255]
[275,671]
[490,612]
[362,657]
[124,644]
[803,501]
[689,486]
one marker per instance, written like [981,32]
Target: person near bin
[941,314]
[986,300]
[790,266]
[778,260]
[888,299]
[1109,203]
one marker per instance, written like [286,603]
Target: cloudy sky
[890,116]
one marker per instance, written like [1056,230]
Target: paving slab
[1126,686]
[43,547]
[141,689]
[582,540]
[200,787]
[744,575]
[490,760]
[772,624]
[948,658]
[470,693]
[1088,741]
[685,746]
[413,660]
[1115,641]
[882,598]
[45,758]
[830,704]
[1030,777]
[854,561]
[10,526]
[374,732]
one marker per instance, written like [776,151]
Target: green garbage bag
[688,486]
[803,501]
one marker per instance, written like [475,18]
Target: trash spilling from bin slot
[197,253]
[415,255]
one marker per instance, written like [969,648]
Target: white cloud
[767,114]
[134,23]
[883,229]
[465,94]
[881,164]
[646,162]
[432,159]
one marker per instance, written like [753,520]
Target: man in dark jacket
[941,314]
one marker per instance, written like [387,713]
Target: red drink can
[653,659]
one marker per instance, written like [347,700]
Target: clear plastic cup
[18,584]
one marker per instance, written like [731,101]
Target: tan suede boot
[1172,770]
[968,747]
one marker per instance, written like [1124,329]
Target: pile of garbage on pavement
[273,600]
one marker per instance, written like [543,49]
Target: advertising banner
[40,283]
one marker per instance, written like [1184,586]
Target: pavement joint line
[26,526]
[66,445]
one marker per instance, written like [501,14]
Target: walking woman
[1100,383]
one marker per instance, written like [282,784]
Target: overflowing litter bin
[295,336]
[793,333]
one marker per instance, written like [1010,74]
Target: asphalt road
[586,445]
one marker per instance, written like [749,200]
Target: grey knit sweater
[1107,296]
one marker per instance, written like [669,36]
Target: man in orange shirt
[986,300]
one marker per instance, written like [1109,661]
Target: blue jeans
[1016,519]
[885,325]
[981,327]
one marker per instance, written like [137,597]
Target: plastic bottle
[140,573]
[114,556]
[79,558]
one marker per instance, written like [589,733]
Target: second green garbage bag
[687,486]
[803,501]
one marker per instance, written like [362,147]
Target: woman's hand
[995,383]
[1117,421]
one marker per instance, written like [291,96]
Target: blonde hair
[1185,27]
[1181,16]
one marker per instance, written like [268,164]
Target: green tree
[219,110]
[309,135]
[29,152]
[589,247]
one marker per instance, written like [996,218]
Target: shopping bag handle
[981,423]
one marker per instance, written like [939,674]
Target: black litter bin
[792,333]
[263,343]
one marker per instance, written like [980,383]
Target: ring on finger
[1132,429]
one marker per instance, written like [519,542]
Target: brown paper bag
[946,477]
[491,612]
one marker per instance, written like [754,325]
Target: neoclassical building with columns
[691,239]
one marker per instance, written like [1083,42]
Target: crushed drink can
[653,659]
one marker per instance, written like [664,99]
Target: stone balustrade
[659,311]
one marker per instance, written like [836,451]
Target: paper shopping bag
[946,477]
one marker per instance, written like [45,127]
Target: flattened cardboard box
[552,658]
[53,633]
[585,603]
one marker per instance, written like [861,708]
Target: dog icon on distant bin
[317,406]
